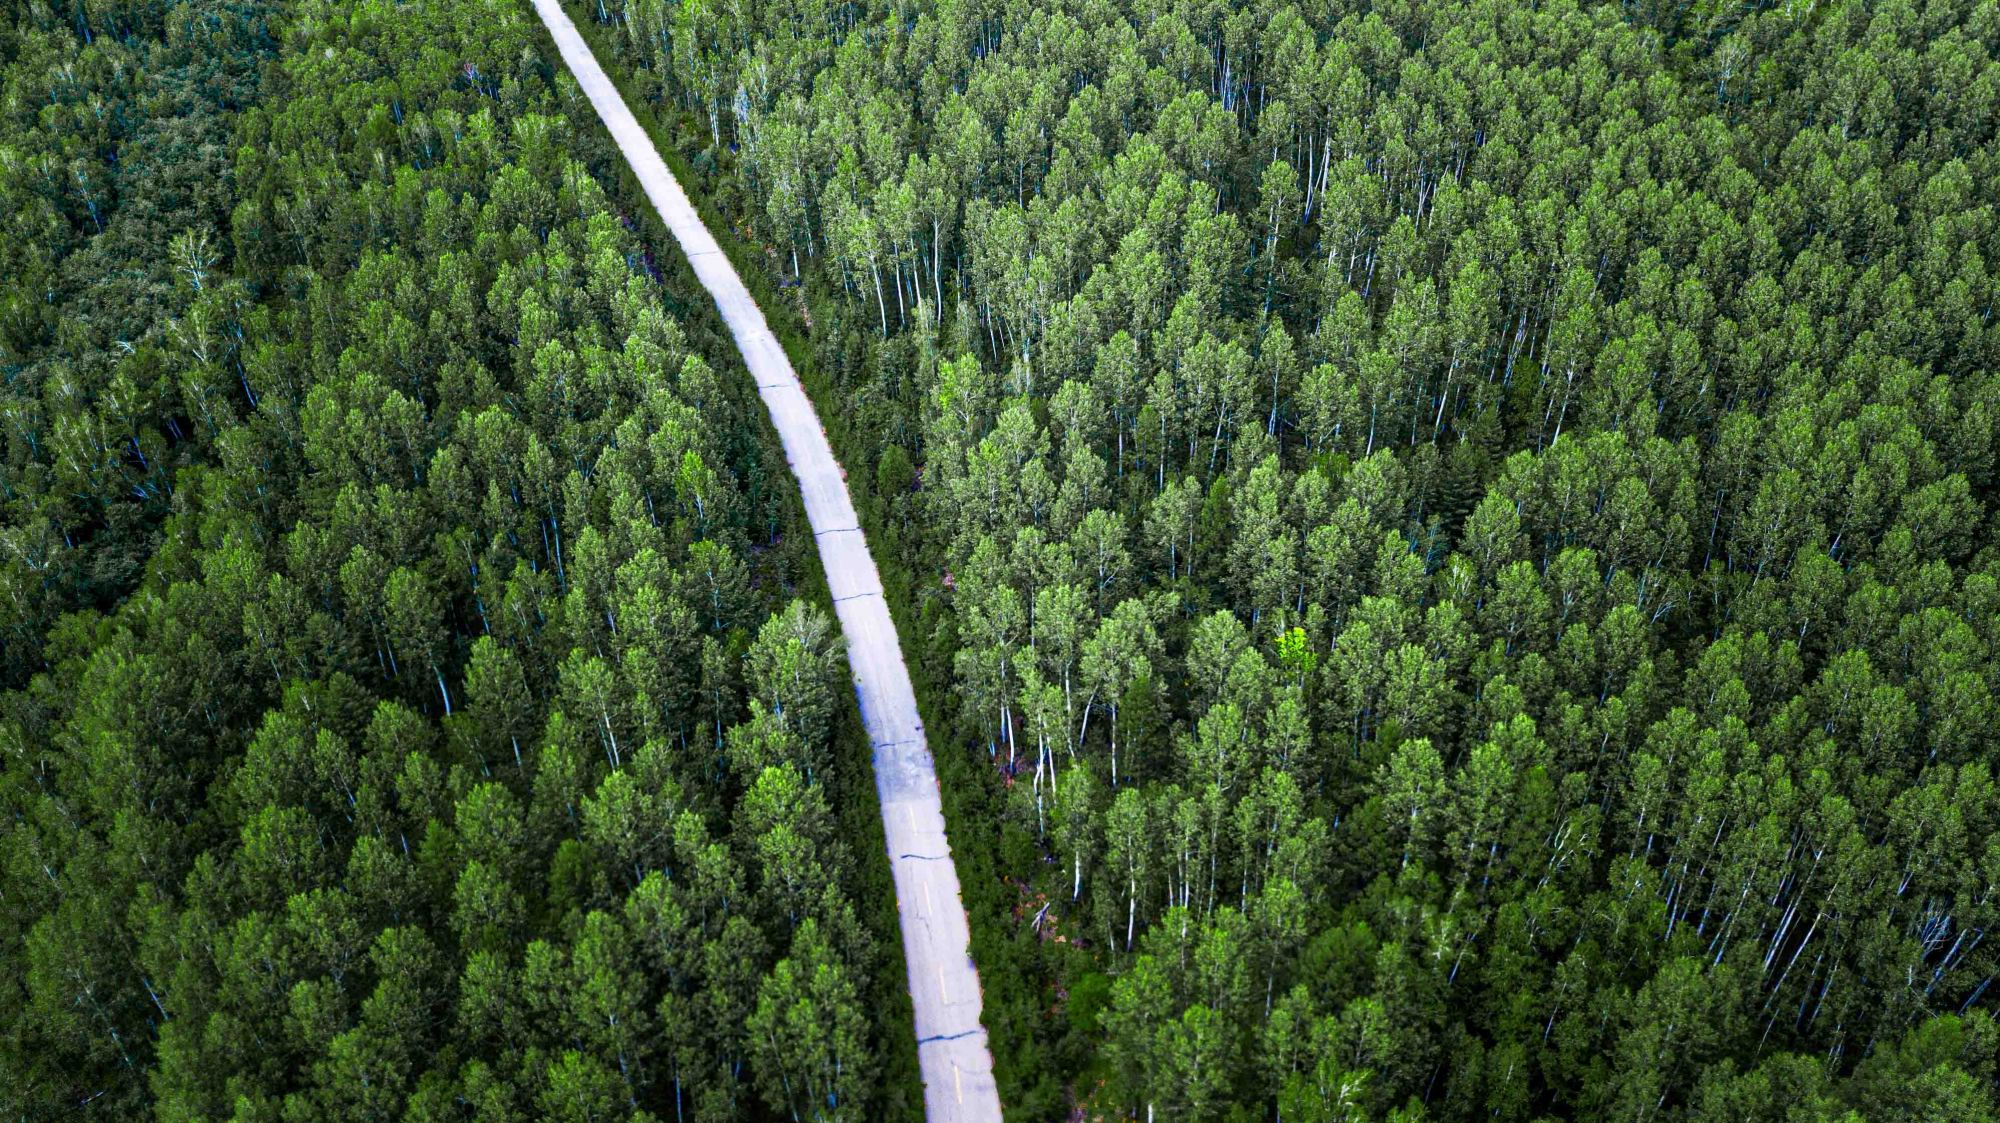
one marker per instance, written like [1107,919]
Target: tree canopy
[414,705]
[1454,542]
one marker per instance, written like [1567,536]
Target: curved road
[944,985]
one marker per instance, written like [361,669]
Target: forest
[1455,541]
[414,704]
[1450,552]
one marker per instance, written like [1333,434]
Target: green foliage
[1479,517]
[394,568]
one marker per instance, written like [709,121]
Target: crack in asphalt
[921,1041]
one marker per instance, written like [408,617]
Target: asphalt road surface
[944,984]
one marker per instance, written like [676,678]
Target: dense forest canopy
[1450,548]
[1456,539]
[413,704]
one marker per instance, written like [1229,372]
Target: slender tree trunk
[1114,744]
[881,309]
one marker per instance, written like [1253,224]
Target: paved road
[944,985]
